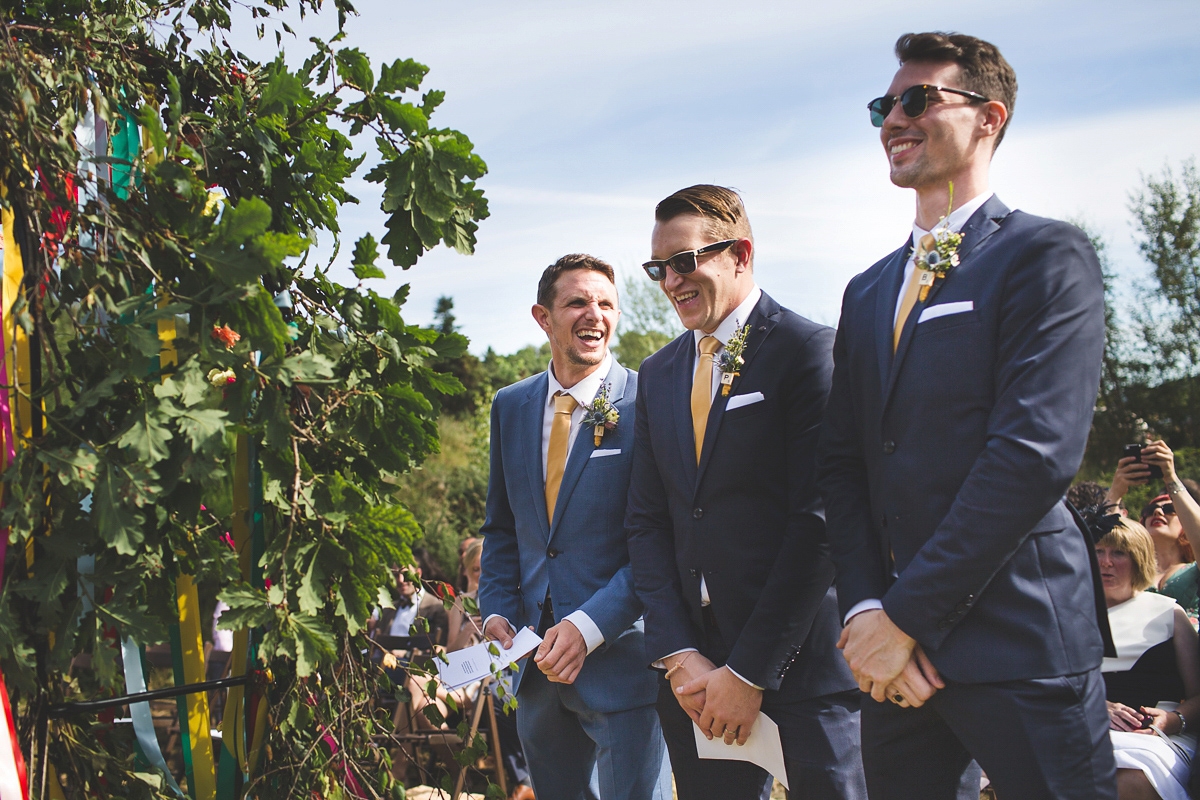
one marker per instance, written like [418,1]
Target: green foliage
[1166,211]
[648,321]
[131,467]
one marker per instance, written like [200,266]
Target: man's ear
[995,114]
[743,251]
[541,315]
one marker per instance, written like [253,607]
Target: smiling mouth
[901,147]
[590,335]
[680,299]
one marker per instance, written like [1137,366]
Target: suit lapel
[584,446]
[762,320]
[888,292]
[982,224]
[531,438]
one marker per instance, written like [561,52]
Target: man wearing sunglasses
[725,525]
[966,368]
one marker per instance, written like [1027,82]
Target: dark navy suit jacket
[952,456]
[749,517]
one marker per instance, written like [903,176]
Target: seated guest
[413,602]
[466,628]
[1172,519]
[1156,667]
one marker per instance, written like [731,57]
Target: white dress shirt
[954,222]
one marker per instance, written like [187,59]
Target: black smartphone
[1135,450]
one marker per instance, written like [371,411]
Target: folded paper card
[762,748]
[475,663]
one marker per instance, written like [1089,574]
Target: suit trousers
[820,751]
[575,753]
[1039,739]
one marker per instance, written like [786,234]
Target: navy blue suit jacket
[581,558]
[952,456]
[748,517]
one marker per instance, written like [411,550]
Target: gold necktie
[910,292]
[702,390]
[556,454]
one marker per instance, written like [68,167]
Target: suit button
[695,573]
[697,513]
[552,553]
[889,447]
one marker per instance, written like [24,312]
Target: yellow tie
[556,455]
[702,389]
[910,292]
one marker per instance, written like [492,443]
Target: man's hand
[561,653]
[694,665]
[876,650]
[916,683]
[730,704]
[499,630]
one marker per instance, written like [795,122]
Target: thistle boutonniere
[941,253]
[730,360]
[601,414]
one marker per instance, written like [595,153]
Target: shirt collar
[585,391]
[957,218]
[733,322]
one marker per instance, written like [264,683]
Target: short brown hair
[1130,537]
[547,289]
[722,209]
[983,68]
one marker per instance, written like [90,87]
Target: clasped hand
[719,702]
[888,663]
[560,655]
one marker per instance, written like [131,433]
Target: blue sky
[589,114]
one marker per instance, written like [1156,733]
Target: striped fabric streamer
[13,778]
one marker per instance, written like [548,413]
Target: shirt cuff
[660,664]
[870,604]
[592,637]
[492,617]
[743,679]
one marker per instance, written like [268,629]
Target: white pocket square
[603,453]
[739,400]
[933,312]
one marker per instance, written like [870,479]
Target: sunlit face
[1159,523]
[941,144]
[705,297]
[1116,574]
[581,320]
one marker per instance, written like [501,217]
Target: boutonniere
[941,254]
[730,360]
[600,414]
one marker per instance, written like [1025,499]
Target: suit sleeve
[1049,344]
[652,547]
[842,474]
[802,572]
[500,565]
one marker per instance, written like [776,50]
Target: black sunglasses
[683,263]
[914,100]
[1168,510]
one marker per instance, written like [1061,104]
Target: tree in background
[171,349]
[1150,385]
[648,321]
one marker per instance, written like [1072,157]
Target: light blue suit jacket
[581,557]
